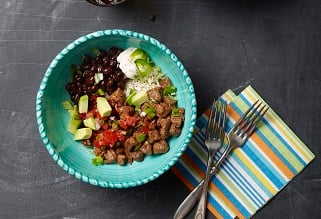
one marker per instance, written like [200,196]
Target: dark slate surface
[273,45]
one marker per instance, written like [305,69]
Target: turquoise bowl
[53,119]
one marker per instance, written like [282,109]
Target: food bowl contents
[122,106]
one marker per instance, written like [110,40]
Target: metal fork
[214,138]
[237,136]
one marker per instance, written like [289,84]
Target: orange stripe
[191,163]
[273,157]
[182,178]
[228,203]
[214,211]
[264,147]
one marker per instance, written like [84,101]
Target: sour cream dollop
[127,64]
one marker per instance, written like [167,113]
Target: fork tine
[222,120]
[210,121]
[250,117]
[245,115]
[257,119]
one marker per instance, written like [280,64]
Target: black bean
[107,70]
[99,59]
[75,98]
[86,73]
[106,60]
[110,82]
[70,86]
[121,84]
[93,88]
[79,78]
[90,81]
[113,63]
[87,59]
[93,68]
[100,68]
[84,67]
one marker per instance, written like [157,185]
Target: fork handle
[201,207]
[190,200]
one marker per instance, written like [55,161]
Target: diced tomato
[82,116]
[121,137]
[132,120]
[93,97]
[105,126]
[90,114]
[145,128]
[122,124]
[106,138]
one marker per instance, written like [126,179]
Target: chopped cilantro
[98,160]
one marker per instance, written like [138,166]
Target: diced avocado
[83,104]
[139,98]
[83,133]
[91,123]
[103,106]
[73,125]
[71,112]
[67,105]
[100,92]
[98,77]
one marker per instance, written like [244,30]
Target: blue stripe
[231,197]
[201,122]
[248,191]
[218,207]
[285,143]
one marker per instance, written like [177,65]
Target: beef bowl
[116,108]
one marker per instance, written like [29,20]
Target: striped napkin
[252,174]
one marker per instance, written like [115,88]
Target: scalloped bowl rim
[55,155]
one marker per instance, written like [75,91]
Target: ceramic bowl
[53,119]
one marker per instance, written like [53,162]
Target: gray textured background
[273,45]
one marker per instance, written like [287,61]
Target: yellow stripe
[290,137]
[229,96]
[254,169]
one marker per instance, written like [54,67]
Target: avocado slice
[82,133]
[91,123]
[73,125]
[67,105]
[103,106]
[139,98]
[83,104]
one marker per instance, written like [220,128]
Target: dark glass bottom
[105,3]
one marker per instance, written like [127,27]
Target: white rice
[149,82]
